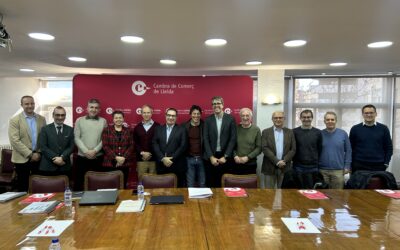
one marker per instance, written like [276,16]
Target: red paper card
[313,194]
[37,198]
[235,192]
[389,193]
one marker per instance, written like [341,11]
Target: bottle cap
[55,240]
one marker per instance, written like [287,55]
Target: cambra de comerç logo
[139,88]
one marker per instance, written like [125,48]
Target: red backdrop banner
[129,93]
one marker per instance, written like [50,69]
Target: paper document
[50,228]
[131,206]
[300,225]
[198,193]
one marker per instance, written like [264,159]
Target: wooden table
[350,219]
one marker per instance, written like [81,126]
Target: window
[345,96]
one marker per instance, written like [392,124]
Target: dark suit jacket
[227,137]
[50,147]
[175,148]
[269,150]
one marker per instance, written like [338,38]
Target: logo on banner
[109,110]
[79,110]
[228,111]
[139,111]
[139,88]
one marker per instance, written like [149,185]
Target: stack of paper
[131,206]
[199,193]
[40,207]
[10,195]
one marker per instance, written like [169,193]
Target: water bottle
[68,197]
[140,191]
[55,244]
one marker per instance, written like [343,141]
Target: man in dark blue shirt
[371,143]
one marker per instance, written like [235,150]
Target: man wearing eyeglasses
[279,147]
[370,142]
[169,145]
[219,142]
[308,150]
[23,133]
[56,143]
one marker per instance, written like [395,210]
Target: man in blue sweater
[371,143]
[335,158]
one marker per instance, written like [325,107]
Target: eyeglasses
[168,115]
[59,115]
[217,103]
[278,118]
[306,117]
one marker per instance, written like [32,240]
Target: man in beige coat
[279,147]
[23,133]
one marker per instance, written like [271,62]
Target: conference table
[349,219]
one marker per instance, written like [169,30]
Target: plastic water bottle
[55,244]
[140,191]
[68,197]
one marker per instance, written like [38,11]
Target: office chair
[104,180]
[48,184]
[159,181]
[242,181]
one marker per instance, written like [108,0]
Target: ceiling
[336,30]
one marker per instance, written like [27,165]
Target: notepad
[131,206]
[10,196]
[199,193]
[235,192]
[43,207]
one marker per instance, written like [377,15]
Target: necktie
[58,130]
[59,135]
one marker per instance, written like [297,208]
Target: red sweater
[143,139]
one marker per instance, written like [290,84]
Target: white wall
[12,89]
[270,82]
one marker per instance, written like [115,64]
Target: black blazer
[227,137]
[176,145]
[50,147]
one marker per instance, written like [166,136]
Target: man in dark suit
[279,147]
[219,142]
[56,142]
[169,145]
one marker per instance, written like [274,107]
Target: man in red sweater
[143,135]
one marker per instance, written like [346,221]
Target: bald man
[279,147]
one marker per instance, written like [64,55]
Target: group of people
[198,151]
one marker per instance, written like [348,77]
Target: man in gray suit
[23,133]
[219,142]
[279,147]
[169,145]
[56,142]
